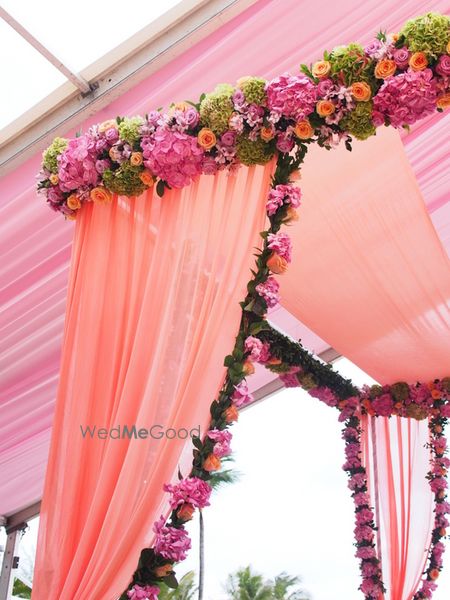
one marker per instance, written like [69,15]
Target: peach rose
[182,105]
[147,178]
[274,361]
[248,367]
[325,108]
[385,68]
[136,159]
[277,264]
[206,138]
[54,179]
[100,195]
[443,101]
[186,512]
[71,217]
[110,124]
[303,130]
[73,202]
[436,394]
[267,134]
[442,532]
[291,216]
[321,68]
[163,570]
[438,429]
[231,414]
[361,91]
[295,175]
[394,37]
[434,574]
[211,463]
[418,61]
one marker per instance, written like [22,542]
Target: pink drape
[397,462]
[152,311]
[369,275]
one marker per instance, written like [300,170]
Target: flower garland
[395,80]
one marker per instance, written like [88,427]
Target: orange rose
[71,217]
[248,367]
[110,124]
[206,138]
[291,216]
[185,512]
[385,68]
[303,130]
[147,178]
[73,202]
[101,195]
[325,108]
[418,61]
[436,394]
[321,68]
[277,264]
[136,159]
[434,574]
[394,37]
[54,179]
[163,570]
[231,414]
[438,429]
[443,101]
[295,175]
[274,361]
[361,91]
[441,494]
[442,532]
[267,134]
[211,463]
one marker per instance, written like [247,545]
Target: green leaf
[160,188]
[171,581]
[229,361]
[255,328]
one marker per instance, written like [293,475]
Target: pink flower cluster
[174,156]
[222,441]
[77,164]
[290,378]
[258,351]
[405,98]
[170,542]
[242,396]
[291,96]
[269,291]
[149,592]
[283,194]
[191,490]
[281,244]
[324,394]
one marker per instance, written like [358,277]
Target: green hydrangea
[254,89]
[216,108]
[429,34]
[359,121]
[400,391]
[352,63]
[129,130]
[253,153]
[125,181]
[50,156]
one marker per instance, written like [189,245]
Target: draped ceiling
[36,246]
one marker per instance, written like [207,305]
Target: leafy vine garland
[395,80]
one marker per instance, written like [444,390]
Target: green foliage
[186,589]
[20,589]
[216,108]
[359,121]
[50,156]
[254,153]
[247,585]
[129,130]
[429,33]
[254,89]
[125,180]
[351,63]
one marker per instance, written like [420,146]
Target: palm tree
[219,479]
[185,591]
[282,585]
[245,585]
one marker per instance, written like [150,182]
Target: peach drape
[152,310]
[370,276]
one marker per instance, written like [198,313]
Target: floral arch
[394,81]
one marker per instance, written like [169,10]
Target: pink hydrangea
[77,164]
[259,351]
[407,97]
[325,395]
[191,490]
[222,440]
[383,405]
[428,587]
[283,194]
[170,542]
[281,244]
[291,96]
[363,533]
[174,156]
[361,499]
[369,569]
[290,379]
[363,516]
[269,291]
[438,484]
[241,396]
[357,480]
[149,592]
[366,552]
[371,588]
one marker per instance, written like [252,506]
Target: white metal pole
[8,566]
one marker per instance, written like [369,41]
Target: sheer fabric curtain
[152,310]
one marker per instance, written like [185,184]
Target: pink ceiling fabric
[153,308]
[371,276]
[36,245]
